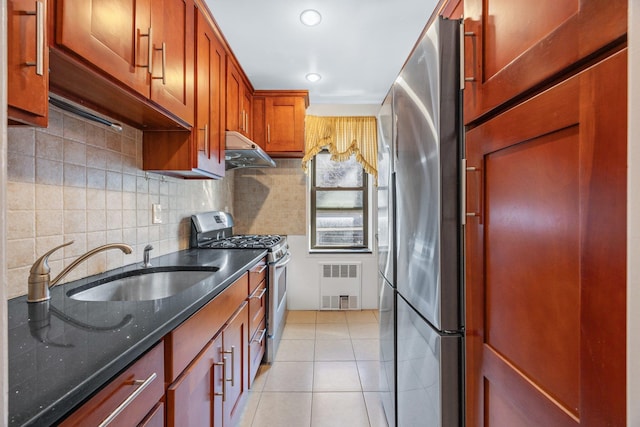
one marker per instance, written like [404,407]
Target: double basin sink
[145,284]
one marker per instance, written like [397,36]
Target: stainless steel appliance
[420,236]
[214,230]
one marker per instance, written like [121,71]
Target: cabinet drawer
[136,391]
[257,306]
[186,341]
[256,349]
[257,274]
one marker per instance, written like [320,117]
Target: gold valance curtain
[343,137]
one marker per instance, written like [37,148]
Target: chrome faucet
[40,280]
[145,257]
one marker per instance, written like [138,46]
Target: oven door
[277,304]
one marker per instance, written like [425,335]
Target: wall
[78,180]
[270,200]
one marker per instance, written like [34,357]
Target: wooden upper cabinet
[279,122]
[239,100]
[512,46]
[110,35]
[28,62]
[210,98]
[172,56]
[147,48]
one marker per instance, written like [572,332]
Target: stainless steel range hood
[241,152]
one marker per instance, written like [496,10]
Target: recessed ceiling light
[313,77]
[310,17]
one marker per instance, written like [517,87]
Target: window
[339,204]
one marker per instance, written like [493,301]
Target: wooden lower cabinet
[546,257]
[143,382]
[210,390]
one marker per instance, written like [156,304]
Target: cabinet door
[545,257]
[285,123]
[210,98]
[506,54]
[172,56]
[195,399]
[234,93]
[247,102]
[110,34]
[28,62]
[234,341]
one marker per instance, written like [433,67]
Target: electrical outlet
[156,213]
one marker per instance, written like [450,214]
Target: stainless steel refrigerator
[421,312]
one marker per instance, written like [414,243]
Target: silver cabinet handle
[472,78]
[39,14]
[262,334]
[149,65]
[224,382]
[164,64]
[264,290]
[268,133]
[264,266]
[233,364]
[142,384]
[206,138]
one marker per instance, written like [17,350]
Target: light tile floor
[325,374]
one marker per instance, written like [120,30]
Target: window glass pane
[340,228]
[337,174]
[339,199]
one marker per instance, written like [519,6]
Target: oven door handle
[283,261]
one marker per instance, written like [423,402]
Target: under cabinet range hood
[241,152]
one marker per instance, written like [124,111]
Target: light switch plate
[156,213]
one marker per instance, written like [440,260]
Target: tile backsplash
[78,180]
[271,200]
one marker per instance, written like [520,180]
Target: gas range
[214,230]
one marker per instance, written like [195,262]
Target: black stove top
[243,241]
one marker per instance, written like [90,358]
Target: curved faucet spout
[40,280]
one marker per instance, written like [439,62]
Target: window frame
[366,210]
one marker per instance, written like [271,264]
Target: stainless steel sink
[143,285]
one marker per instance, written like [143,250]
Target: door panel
[111,35]
[428,372]
[546,251]
[387,349]
[512,46]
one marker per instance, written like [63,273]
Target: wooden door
[234,341]
[27,62]
[546,257]
[195,398]
[172,57]
[285,123]
[210,99]
[110,34]
[514,45]
[234,93]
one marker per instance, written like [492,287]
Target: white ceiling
[358,48]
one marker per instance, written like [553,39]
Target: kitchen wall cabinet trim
[507,57]
[27,62]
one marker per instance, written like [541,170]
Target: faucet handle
[41,266]
[39,276]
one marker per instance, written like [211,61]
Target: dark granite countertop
[62,351]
